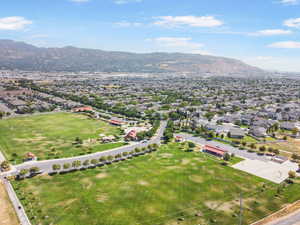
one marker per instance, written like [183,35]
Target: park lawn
[235,160]
[247,139]
[158,188]
[52,135]
[291,146]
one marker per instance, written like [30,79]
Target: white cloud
[179,44]
[295,22]
[128,24]
[289,2]
[13,23]
[271,32]
[285,44]
[121,2]
[193,21]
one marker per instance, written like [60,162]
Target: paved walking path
[292,219]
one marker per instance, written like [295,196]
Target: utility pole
[241,209]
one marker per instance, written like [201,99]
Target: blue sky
[265,33]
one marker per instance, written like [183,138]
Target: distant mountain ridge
[22,56]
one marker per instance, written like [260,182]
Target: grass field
[247,139]
[161,188]
[52,136]
[291,145]
[7,213]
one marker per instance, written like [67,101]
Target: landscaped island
[163,187]
[54,135]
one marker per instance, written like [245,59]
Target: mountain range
[23,56]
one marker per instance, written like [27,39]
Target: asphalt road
[46,165]
[229,148]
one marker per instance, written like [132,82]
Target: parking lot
[268,170]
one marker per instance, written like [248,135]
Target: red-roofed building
[116,122]
[132,135]
[83,109]
[214,150]
[178,139]
[30,156]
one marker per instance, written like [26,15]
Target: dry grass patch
[185,162]
[196,178]
[101,198]
[67,202]
[143,183]
[7,213]
[101,175]
[88,183]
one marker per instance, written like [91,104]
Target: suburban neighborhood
[247,125]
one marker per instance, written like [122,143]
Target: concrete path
[292,219]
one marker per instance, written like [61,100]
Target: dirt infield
[7,213]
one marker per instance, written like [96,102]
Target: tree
[229,134]
[262,148]
[292,174]
[86,162]
[295,156]
[56,167]
[78,141]
[2,114]
[5,165]
[23,172]
[253,146]
[76,164]
[226,157]
[117,156]
[191,145]
[102,159]
[276,151]
[34,169]
[109,158]
[94,161]
[295,131]
[66,166]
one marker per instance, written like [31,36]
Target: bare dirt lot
[7,213]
